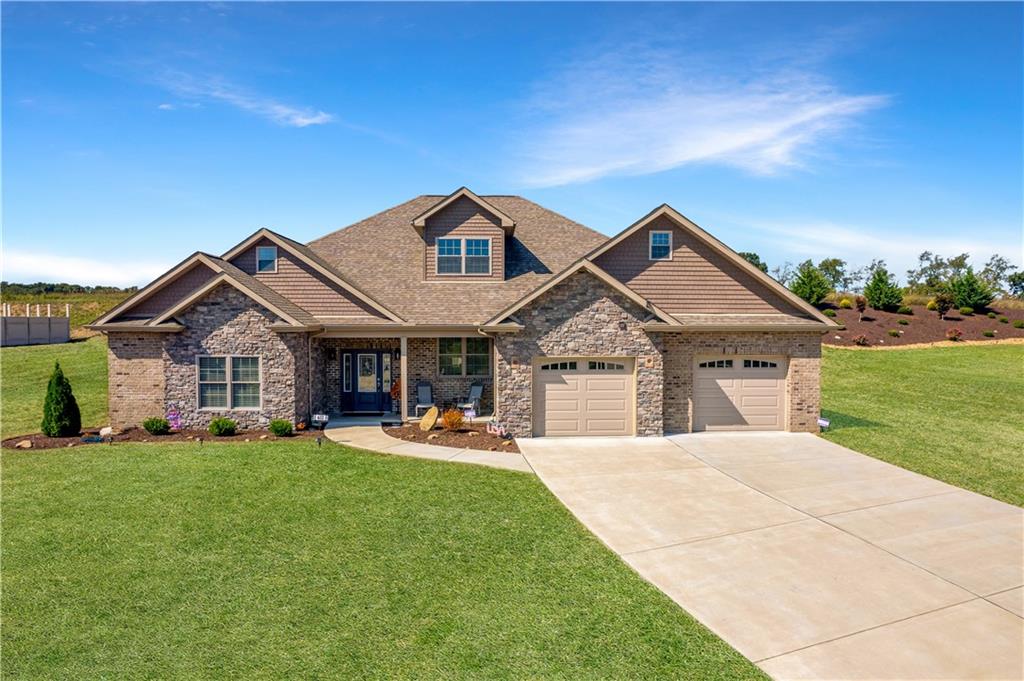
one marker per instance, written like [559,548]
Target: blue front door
[366,380]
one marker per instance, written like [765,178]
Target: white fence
[38,330]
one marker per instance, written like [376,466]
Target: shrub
[1018,323]
[931,306]
[862,304]
[281,427]
[895,333]
[988,334]
[965,310]
[991,315]
[156,426]
[810,284]
[222,427]
[1004,320]
[846,304]
[451,419]
[829,312]
[905,309]
[954,334]
[968,290]
[861,340]
[61,417]
[943,304]
[902,322]
[881,292]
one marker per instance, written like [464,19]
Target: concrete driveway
[812,560]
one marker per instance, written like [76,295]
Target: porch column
[403,368]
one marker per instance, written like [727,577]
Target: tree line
[934,276]
[39,288]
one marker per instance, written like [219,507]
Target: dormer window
[463,256]
[266,259]
[661,246]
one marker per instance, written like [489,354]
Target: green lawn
[25,371]
[278,559]
[952,413]
[85,307]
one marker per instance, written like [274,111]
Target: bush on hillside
[862,304]
[968,290]
[156,426]
[943,304]
[845,304]
[895,333]
[882,292]
[991,315]
[861,340]
[61,416]
[954,334]
[988,334]
[902,322]
[905,309]
[810,284]
[966,310]
[222,427]
[931,306]
[1004,320]
[1018,323]
[829,312]
[281,427]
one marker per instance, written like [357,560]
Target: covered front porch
[362,376]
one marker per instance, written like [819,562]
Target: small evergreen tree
[61,417]
[881,292]
[810,284]
[862,304]
[943,304]
[968,290]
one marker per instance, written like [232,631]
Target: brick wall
[447,389]
[803,393]
[582,316]
[135,373]
[327,367]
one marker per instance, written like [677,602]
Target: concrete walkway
[373,438]
[812,560]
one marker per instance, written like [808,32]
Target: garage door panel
[582,401]
[740,397]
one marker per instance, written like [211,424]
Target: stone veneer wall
[422,363]
[584,317]
[226,322]
[803,386]
[135,374]
[327,367]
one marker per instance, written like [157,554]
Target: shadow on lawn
[840,421]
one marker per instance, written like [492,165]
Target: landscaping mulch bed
[40,441]
[924,326]
[470,436]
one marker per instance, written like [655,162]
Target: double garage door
[739,393]
[583,396]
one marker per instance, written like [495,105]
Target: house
[659,329]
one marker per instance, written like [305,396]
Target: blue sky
[134,134]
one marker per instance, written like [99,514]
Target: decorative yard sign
[824,423]
[321,420]
[429,419]
[469,413]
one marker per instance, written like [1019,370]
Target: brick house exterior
[659,329]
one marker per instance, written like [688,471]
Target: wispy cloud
[637,110]
[195,88]
[24,266]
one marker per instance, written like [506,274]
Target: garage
[583,396]
[739,393]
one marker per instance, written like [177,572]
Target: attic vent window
[661,245]
[266,259]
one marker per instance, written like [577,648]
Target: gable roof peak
[420,221]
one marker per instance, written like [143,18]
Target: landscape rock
[24,444]
[506,443]
[264,437]
[472,433]
[106,432]
[433,436]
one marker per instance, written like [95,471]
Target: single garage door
[739,393]
[582,396]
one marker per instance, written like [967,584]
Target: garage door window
[759,364]
[716,364]
[558,366]
[605,366]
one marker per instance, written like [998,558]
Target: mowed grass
[25,372]
[952,413]
[279,559]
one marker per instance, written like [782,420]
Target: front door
[366,380]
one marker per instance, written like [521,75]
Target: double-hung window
[266,259]
[463,256]
[464,356]
[661,246]
[229,382]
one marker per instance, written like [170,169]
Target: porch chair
[476,391]
[424,397]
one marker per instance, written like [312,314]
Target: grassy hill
[85,307]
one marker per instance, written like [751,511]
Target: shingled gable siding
[184,284]
[135,376]
[226,322]
[696,279]
[327,368]
[464,219]
[304,286]
[582,316]
[803,391]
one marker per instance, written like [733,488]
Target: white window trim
[463,256]
[463,354]
[227,375]
[650,244]
[258,270]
